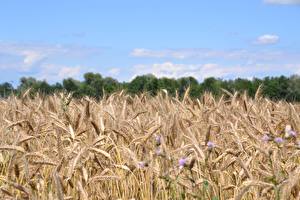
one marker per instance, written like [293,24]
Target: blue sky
[55,39]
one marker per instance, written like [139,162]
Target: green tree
[169,84]
[141,83]
[293,89]
[276,87]
[110,85]
[151,85]
[192,83]
[6,89]
[72,85]
[212,85]
[93,85]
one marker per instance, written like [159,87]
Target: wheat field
[144,147]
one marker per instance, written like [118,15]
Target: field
[145,147]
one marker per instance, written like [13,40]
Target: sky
[56,39]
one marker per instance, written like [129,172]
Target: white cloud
[114,71]
[206,54]
[23,57]
[169,69]
[30,58]
[202,71]
[267,39]
[172,53]
[54,73]
[221,63]
[283,2]
[66,72]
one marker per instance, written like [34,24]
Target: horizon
[56,40]
[82,80]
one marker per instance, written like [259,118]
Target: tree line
[95,85]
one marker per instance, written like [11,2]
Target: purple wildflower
[182,162]
[266,138]
[288,128]
[278,140]
[158,140]
[210,145]
[298,144]
[292,133]
[289,132]
[158,151]
[142,164]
